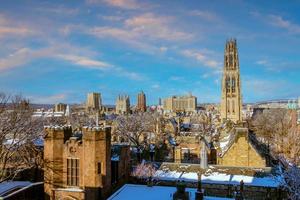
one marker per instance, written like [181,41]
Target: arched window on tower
[233,111]
[230,60]
[233,84]
[227,84]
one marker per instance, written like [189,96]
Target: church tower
[231,102]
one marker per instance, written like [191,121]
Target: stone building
[231,101]
[93,102]
[189,150]
[77,166]
[242,150]
[60,107]
[123,104]
[141,102]
[186,103]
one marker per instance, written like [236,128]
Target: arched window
[228,84]
[233,84]
[228,106]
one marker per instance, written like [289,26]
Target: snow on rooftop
[8,186]
[224,142]
[167,176]
[219,178]
[137,192]
[115,158]
[71,189]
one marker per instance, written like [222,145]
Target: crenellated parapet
[58,132]
[96,133]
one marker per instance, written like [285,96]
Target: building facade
[94,101]
[231,100]
[186,103]
[60,107]
[141,102]
[242,151]
[77,166]
[123,104]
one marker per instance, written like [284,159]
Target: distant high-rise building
[231,102]
[94,101]
[159,101]
[141,102]
[123,104]
[60,107]
[186,103]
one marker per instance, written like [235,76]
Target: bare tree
[274,127]
[137,129]
[291,182]
[203,125]
[18,134]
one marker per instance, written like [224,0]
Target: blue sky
[57,51]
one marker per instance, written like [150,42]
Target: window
[73,172]
[228,84]
[99,168]
[228,106]
[233,84]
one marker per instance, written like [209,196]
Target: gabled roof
[251,138]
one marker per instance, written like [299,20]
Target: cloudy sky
[57,51]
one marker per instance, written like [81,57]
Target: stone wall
[242,154]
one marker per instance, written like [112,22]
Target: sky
[58,51]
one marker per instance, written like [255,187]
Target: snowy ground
[137,192]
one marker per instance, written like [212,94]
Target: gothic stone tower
[231,102]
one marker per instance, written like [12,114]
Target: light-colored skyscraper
[123,104]
[231,102]
[94,101]
[186,103]
[60,107]
[141,102]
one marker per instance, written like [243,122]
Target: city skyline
[54,52]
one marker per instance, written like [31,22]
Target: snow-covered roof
[115,158]
[70,189]
[222,178]
[9,186]
[218,178]
[137,192]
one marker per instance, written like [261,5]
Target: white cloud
[11,28]
[60,9]
[176,78]
[85,61]
[131,75]
[111,17]
[155,86]
[24,56]
[202,57]
[278,21]
[210,16]
[143,32]
[163,49]
[123,4]
[262,62]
